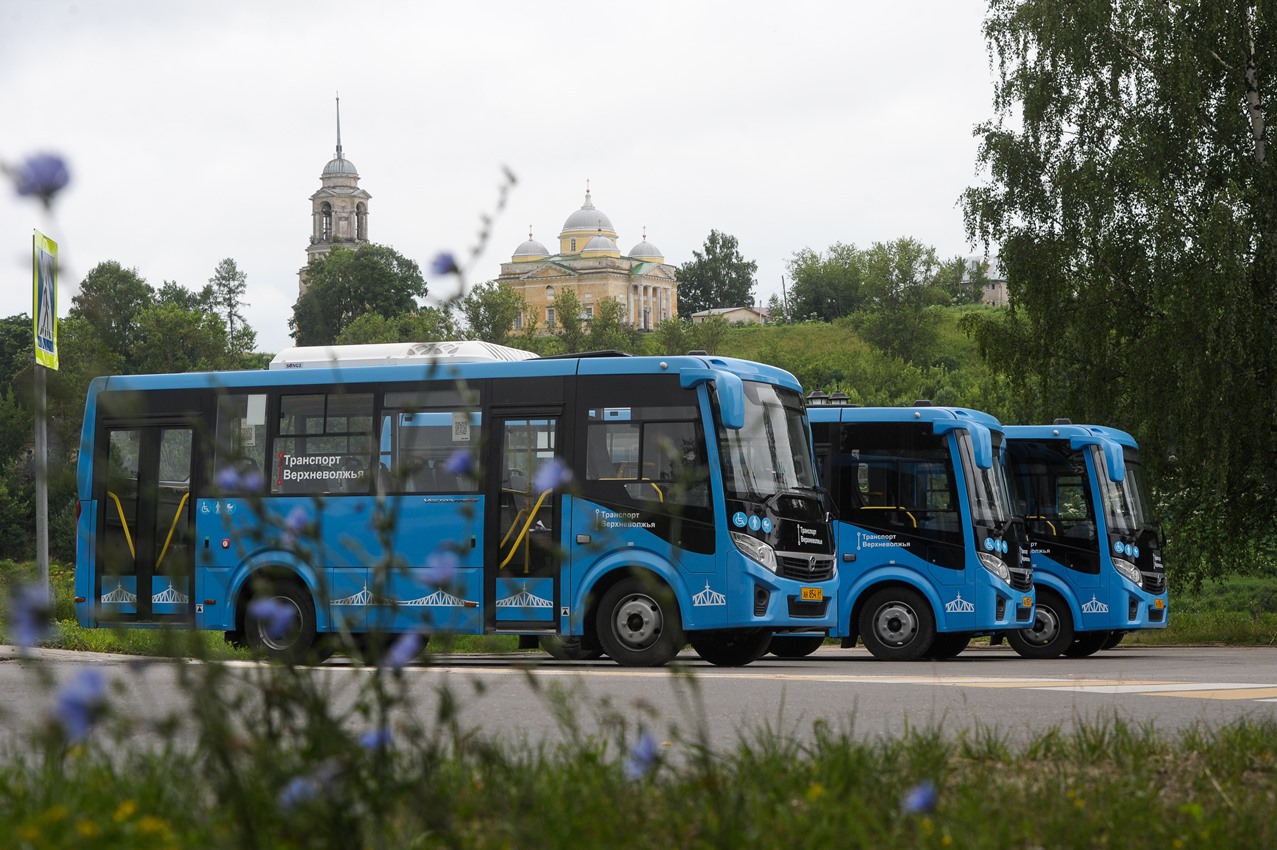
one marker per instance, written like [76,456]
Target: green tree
[428,324]
[719,277]
[570,327]
[826,286]
[229,284]
[344,285]
[673,336]
[1133,196]
[174,293]
[491,309]
[171,339]
[899,287]
[110,299]
[609,330]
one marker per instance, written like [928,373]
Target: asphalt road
[990,689]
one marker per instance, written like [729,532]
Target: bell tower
[339,210]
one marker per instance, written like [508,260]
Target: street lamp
[816,397]
[839,397]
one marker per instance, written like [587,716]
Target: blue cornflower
[80,704]
[41,176]
[459,463]
[444,263]
[272,613]
[376,739]
[302,789]
[921,799]
[403,650]
[642,757]
[441,568]
[295,523]
[234,482]
[29,615]
[552,474]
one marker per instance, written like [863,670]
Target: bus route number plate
[1159,603]
[811,594]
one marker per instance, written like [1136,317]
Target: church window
[549,317]
[361,223]
[326,222]
[572,248]
[549,293]
[518,322]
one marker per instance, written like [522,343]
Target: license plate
[1159,603]
[1027,602]
[811,594]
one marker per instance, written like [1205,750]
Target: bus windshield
[987,488]
[772,453]
[1128,508]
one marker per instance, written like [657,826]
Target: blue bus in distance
[601,504]
[1097,551]
[930,554]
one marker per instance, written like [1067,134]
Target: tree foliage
[344,285]
[490,310]
[899,287]
[228,285]
[826,286]
[719,277]
[425,325]
[1132,193]
[110,299]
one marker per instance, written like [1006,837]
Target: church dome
[340,167]
[530,250]
[589,218]
[601,246]
[647,251]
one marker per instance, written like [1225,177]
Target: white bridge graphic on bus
[120,596]
[708,598]
[959,606]
[438,599]
[1095,606]
[524,599]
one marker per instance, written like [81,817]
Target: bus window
[638,454]
[241,433]
[324,444]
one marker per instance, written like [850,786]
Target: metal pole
[42,483]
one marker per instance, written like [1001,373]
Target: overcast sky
[197,131]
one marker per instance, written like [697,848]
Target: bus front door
[145,561]
[523,549]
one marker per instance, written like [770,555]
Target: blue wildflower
[921,799]
[441,568]
[80,704]
[376,739]
[444,263]
[552,474]
[239,483]
[459,463]
[642,757]
[403,650]
[299,790]
[295,523]
[275,615]
[41,176]
[29,615]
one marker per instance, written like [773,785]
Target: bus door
[523,533]
[145,561]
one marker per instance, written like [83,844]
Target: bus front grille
[805,567]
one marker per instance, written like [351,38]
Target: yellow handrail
[124,522]
[524,531]
[172,528]
[900,508]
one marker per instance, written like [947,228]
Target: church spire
[339,156]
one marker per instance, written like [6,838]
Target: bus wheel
[569,648]
[279,623]
[795,646]
[639,624]
[1052,630]
[1087,643]
[896,624]
[1114,639]
[731,649]
[948,645]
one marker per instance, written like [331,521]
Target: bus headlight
[756,549]
[995,566]
[1128,571]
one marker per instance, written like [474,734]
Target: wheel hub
[638,621]
[896,623]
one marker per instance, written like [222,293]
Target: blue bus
[1097,551]
[604,504]
[930,553]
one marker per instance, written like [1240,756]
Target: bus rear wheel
[279,623]
[731,648]
[570,648]
[1051,633]
[639,624]
[1087,643]
[896,624]
[795,646]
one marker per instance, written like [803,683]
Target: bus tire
[1052,630]
[1086,643]
[639,624]
[568,648]
[896,624]
[795,646]
[734,648]
[948,645]
[1115,637]
[294,644]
